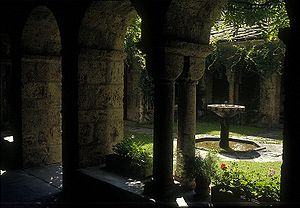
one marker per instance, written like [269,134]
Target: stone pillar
[134,95]
[269,106]
[231,81]
[168,67]
[290,183]
[194,70]
[194,67]
[100,104]
[41,110]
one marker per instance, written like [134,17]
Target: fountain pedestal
[225,112]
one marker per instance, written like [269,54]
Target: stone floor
[30,187]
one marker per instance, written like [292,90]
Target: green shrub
[252,185]
[134,151]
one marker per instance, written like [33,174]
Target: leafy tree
[270,15]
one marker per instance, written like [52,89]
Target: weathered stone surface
[92,72]
[55,155]
[191,20]
[269,107]
[101,72]
[41,106]
[109,97]
[105,23]
[100,96]
[35,156]
[55,135]
[42,156]
[41,68]
[86,133]
[41,33]
[100,115]
[35,90]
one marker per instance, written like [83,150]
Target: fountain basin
[235,145]
[226,110]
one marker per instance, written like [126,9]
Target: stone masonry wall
[100,114]
[41,106]
[269,108]
[134,95]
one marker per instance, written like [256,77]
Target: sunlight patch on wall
[2,172]
[9,138]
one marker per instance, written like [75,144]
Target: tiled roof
[231,33]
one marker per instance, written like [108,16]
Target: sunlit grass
[213,129]
[260,167]
[145,139]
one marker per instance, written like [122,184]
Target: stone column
[100,103]
[41,110]
[167,67]
[231,81]
[269,106]
[290,183]
[193,71]
[194,67]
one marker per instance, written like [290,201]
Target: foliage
[250,184]
[269,15]
[136,59]
[199,166]
[133,150]
[263,59]
[132,39]
[145,140]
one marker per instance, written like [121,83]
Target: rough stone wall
[101,79]
[41,106]
[41,34]
[100,103]
[269,107]
[191,20]
[41,89]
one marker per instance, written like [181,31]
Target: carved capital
[193,70]
[197,68]
[173,66]
[189,49]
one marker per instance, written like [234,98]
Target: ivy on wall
[262,58]
[269,15]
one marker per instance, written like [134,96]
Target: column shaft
[186,122]
[163,133]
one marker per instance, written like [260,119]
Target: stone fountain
[225,112]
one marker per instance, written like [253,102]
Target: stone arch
[41,89]
[100,72]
